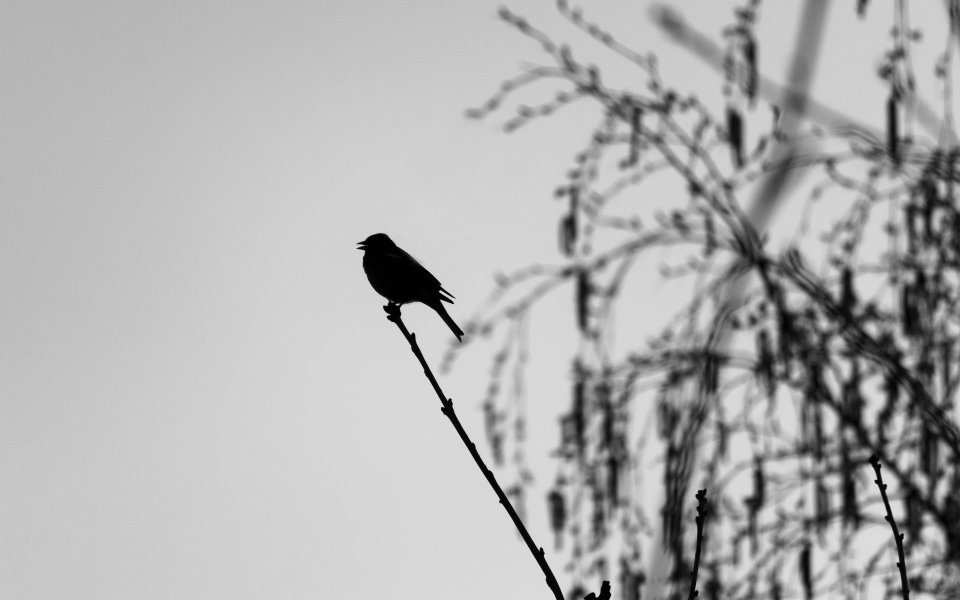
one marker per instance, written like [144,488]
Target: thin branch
[897,536]
[393,314]
[701,517]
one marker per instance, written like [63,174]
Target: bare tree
[792,362]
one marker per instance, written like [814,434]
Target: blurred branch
[797,104]
[672,22]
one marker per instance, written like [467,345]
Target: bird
[399,278]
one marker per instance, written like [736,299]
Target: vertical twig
[897,536]
[604,593]
[701,517]
[393,314]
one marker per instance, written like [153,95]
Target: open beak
[362,245]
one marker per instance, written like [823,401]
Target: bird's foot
[392,309]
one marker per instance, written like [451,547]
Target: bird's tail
[448,320]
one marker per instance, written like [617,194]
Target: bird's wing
[422,276]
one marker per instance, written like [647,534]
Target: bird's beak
[362,245]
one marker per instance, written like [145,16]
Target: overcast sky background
[199,395]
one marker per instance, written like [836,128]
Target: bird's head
[377,241]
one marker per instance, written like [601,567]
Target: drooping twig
[897,536]
[393,314]
[701,517]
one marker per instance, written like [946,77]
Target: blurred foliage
[788,366]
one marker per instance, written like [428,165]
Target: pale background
[199,395]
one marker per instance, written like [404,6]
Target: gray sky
[197,381]
[199,396]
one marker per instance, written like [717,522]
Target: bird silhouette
[399,278]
